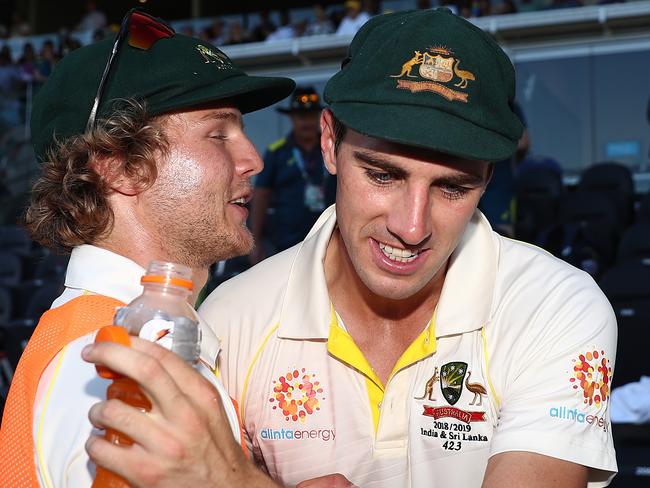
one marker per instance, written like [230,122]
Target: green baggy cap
[431,79]
[175,73]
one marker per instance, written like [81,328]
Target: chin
[392,290]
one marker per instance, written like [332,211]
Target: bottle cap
[111,333]
[167,273]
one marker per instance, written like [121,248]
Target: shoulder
[546,299]
[253,297]
[527,270]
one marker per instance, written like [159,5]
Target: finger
[130,421]
[144,368]
[131,463]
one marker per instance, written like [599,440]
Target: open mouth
[398,254]
[241,201]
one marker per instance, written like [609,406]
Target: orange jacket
[54,331]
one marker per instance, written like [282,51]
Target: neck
[352,298]
[131,239]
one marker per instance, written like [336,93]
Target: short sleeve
[555,382]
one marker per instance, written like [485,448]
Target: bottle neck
[166,289]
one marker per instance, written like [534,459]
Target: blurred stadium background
[582,191]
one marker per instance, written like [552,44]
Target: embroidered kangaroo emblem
[428,388]
[408,66]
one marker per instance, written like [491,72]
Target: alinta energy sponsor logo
[297,394]
[269,434]
[575,415]
[592,376]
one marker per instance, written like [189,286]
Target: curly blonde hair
[69,204]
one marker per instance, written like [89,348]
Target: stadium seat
[5,305]
[51,267]
[586,233]
[613,180]
[10,269]
[41,300]
[14,238]
[644,209]
[627,286]
[635,244]
[538,192]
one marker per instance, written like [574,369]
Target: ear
[327,140]
[488,176]
[110,170]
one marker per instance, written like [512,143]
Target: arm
[515,469]
[260,204]
[185,440]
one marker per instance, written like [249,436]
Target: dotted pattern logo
[593,376]
[297,394]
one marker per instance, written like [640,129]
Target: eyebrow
[460,178]
[222,115]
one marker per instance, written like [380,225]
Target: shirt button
[379,405]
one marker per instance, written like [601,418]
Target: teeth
[241,200]
[397,254]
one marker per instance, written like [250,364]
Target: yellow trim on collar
[341,345]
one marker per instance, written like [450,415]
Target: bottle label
[159,331]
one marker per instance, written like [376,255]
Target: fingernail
[85,352]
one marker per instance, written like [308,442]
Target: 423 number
[452,445]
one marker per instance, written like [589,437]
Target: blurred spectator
[354,18]
[372,7]
[27,64]
[285,31]
[236,33]
[10,88]
[497,203]
[46,59]
[187,30]
[294,181]
[264,28]
[99,34]
[217,33]
[68,44]
[506,7]
[322,24]
[93,19]
[19,26]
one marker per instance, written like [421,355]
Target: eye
[379,177]
[220,136]
[453,192]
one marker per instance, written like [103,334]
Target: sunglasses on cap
[142,31]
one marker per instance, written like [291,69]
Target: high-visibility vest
[57,328]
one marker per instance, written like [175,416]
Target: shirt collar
[465,300]
[100,271]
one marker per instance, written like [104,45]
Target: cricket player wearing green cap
[143,158]
[403,342]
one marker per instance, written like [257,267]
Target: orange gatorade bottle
[161,314]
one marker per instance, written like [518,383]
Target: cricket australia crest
[451,380]
[436,68]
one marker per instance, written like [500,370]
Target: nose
[248,160]
[409,219]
